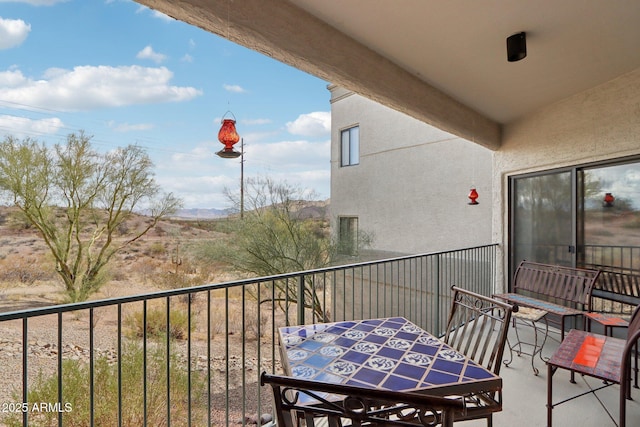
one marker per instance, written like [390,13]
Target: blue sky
[128,75]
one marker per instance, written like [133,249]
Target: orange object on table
[589,352]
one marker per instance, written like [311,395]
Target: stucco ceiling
[459,46]
[443,62]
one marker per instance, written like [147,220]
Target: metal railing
[193,356]
[616,256]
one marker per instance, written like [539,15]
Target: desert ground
[28,280]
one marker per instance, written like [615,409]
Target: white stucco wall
[599,124]
[411,186]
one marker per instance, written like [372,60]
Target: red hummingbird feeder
[228,136]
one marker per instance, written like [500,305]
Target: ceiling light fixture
[516,47]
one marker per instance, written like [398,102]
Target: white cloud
[149,53]
[154,13]
[13,32]
[290,154]
[91,87]
[21,127]
[313,124]
[161,16]
[127,127]
[200,177]
[187,58]
[234,88]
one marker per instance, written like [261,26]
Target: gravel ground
[43,354]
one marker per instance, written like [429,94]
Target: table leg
[536,347]
[550,371]
[508,362]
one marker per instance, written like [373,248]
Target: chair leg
[623,413]
[635,354]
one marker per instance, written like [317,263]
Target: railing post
[437,275]
[301,299]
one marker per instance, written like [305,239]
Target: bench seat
[561,291]
[549,307]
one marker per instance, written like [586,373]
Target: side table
[528,317]
[608,322]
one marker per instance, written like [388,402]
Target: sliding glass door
[543,219]
[581,216]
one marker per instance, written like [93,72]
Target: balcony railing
[193,356]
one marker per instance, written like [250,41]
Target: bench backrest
[616,290]
[566,286]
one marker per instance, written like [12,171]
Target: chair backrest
[478,327]
[336,405]
[633,335]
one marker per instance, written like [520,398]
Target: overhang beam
[283,31]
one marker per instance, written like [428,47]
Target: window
[348,235]
[350,146]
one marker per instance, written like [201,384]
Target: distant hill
[303,209]
[198,213]
[312,209]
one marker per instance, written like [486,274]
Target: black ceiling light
[516,47]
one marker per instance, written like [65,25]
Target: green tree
[273,238]
[79,199]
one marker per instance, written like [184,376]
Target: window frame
[348,244]
[350,146]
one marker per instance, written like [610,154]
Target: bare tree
[272,238]
[79,200]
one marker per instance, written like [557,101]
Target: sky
[125,74]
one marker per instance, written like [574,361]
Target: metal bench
[617,291]
[563,292]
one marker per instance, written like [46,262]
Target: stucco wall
[599,124]
[410,188]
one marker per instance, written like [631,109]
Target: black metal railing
[624,257]
[193,356]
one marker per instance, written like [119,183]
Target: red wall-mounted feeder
[473,197]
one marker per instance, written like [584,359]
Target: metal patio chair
[478,327]
[598,356]
[337,405]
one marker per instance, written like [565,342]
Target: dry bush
[255,323]
[24,270]
[156,249]
[110,381]
[218,319]
[156,325]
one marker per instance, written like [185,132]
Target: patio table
[389,353]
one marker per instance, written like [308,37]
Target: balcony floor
[525,395]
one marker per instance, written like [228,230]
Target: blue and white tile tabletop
[390,353]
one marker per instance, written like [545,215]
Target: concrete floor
[525,394]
